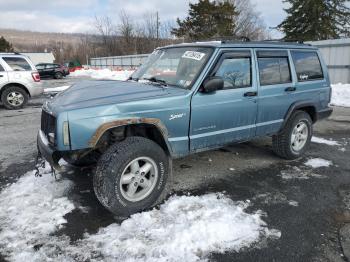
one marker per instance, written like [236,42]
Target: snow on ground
[55,89]
[302,173]
[318,162]
[30,210]
[341,95]
[321,140]
[185,228]
[103,74]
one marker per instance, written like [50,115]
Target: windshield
[177,66]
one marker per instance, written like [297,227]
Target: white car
[19,80]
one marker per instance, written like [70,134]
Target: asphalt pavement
[310,206]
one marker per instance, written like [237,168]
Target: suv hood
[96,93]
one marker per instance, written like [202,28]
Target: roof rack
[230,39]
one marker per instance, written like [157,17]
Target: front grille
[48,123]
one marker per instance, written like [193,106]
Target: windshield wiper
[156,80]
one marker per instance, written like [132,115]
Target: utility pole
[157,25]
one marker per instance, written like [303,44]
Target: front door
[226,115]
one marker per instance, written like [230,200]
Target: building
[38,58]
[336,54]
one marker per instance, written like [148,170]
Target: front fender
[129,121]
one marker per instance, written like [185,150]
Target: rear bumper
[36,89]
[324,113]
[47,152]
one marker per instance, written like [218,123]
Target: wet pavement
[310,206]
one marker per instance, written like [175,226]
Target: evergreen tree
[5,46]
[309,20]
[207,19]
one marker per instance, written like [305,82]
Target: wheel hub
[299,136]
[138,179]
[15,98]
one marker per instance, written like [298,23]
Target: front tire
[295,137]
[131,176]
[14,97]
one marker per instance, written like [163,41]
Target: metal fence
[118,62]
[336,54]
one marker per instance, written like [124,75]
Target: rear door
[3,75]
[226,115]
[277,89]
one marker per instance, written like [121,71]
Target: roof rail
[227,39]
[290,41]
[10,53]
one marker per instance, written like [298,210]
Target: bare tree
[107,30]
[249,22]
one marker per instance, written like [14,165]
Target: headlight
[65,133]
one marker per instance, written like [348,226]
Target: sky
[72,16]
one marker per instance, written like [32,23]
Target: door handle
[249,94]
[1,75]
[290,89]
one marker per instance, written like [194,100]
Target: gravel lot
[309,206]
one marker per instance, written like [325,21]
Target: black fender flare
[298,105]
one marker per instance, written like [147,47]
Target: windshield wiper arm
[156,80]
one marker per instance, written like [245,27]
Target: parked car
[56,71]
[19,80]
[185,99]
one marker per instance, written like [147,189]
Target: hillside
[28,41]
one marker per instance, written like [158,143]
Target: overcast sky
[77,16]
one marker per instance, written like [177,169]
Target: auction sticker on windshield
[193,55]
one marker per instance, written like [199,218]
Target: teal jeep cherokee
[185,99]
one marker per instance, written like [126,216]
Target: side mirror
[212,84]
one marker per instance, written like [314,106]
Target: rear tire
[58,75]
[295,137]
[14,97]
[131,176]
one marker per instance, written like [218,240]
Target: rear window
[307,66]
[274,67]
[17,63]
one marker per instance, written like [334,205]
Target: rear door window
[17,63]
[307,65]
[274,67]
[1,68]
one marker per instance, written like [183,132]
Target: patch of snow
[298,173]
[186,228]
[106,74]
[30,210]
[321,140]
[318,162]
[293,203]
[55,89]
[341,95]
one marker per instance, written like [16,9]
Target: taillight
[36,77]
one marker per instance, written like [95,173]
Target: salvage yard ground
[239,203]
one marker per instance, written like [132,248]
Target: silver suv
[19,80]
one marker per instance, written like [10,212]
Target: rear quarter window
[17,63]
[1,68]
[274,68]
[307,65]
